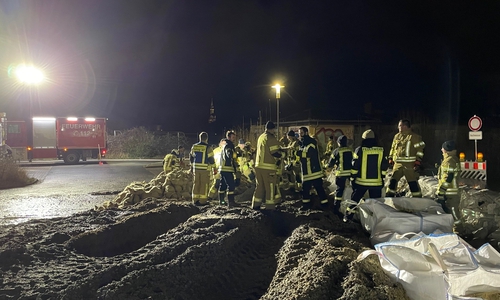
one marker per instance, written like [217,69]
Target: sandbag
[439,266]
[385,216]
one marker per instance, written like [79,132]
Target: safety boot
[230,201]
[222,198]
[306,206]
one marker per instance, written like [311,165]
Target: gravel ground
[164,249]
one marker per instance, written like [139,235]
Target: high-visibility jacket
[202,156]
[448,174]
[342,159]
[308,154]
[369,166]
[228,161]
[169,162]
[407,147]
[293,147]
[267,147]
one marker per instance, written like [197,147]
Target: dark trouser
[339,191]
[359,190]
[318,186]
[226,184]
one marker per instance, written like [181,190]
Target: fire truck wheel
[72,158]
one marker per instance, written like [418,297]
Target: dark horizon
[161,62]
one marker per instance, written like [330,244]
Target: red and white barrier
[473,170]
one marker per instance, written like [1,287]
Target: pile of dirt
[161,249]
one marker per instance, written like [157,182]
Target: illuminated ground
[173,250]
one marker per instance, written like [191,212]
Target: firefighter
[312,172]
[292,166]
[171,161]
[329,148]
[448,177]
[341,160]
[268,152]
[229,170]
[214,189]
[406,156]
[180,155]
[369,167]
[202,164]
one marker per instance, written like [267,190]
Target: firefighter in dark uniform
[202,164]
[312,172]
[448,177]
[268,152]
[369,167]
[229,170]
[341,160]
[406,155]
[292,166]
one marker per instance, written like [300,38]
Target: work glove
[440,196]
[215,172]
[278,162]
[237,182]
[288,167]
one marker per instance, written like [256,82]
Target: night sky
[146,63]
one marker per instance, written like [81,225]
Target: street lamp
[30,76]
[278,88]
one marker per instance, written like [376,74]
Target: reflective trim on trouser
[265,185]
[415,189]
[318,186]
[201,181]
[256,202]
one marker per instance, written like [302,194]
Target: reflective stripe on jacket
[407,147]
[342,159]
[448,174]
[267,145]
[202,156]
[369,166]
[308,155]
[228,158]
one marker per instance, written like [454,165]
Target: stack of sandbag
[176,185]
[480,214]
[385,216]
[440,266]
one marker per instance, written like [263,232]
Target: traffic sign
[475,123]
[475,135]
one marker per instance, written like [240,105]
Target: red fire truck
[71,139]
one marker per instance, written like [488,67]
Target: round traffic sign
[475,123]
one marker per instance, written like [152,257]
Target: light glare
[29,74]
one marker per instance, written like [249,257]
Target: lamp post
[278,89]
[29,76]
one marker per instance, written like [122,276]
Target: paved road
[66,189]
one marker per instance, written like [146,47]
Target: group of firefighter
[295,163]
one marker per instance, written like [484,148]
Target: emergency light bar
[72,118]
[90,119]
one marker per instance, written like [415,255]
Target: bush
[11,175]
[141,143]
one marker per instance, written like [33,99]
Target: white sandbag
[439,266]
[385,216]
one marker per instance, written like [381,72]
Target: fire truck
[71,139]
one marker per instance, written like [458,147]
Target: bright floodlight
[29,74]
[277,87]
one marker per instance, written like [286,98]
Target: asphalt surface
[62,190]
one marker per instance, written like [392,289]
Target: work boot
[222,199]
